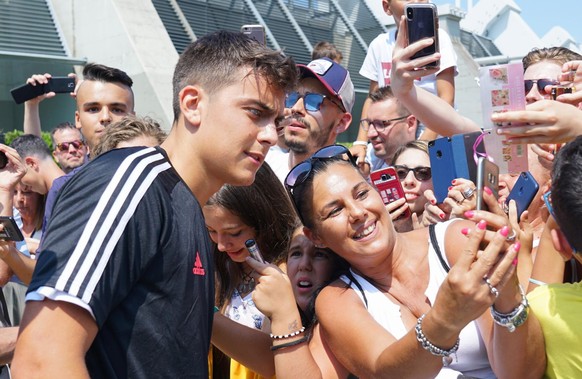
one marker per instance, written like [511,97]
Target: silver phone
[487,176]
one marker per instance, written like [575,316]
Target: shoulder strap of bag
[437,249]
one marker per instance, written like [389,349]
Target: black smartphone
[523,192]
[487,176]
[56,84]
[11,231]
[422,22]
[254,251]
[255,31]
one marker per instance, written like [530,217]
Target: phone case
[463,154]
[523,192]
[487,176]
[442,165]
[387,183]
[255,31]
[56,84]
[27,92]
[11,231]
[422,22]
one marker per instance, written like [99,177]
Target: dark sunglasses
[379,125]
[64,146]
[311,101]
[541,83]
[300,173]
[421,173]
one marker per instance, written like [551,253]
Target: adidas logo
[198,269]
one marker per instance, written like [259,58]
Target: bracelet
[435,350]
[289,344]
[295,333]
[360,143]
[537,282]
[516,317]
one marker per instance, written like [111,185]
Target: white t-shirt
[378,61]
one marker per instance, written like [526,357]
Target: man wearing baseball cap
[316,112]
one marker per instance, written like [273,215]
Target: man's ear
[412,124]
[190,98]
[32,163]
[78,120]
[344,123]
[313,237]
[386,7]
[561,244]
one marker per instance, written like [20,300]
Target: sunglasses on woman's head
[421,173]
[541,83]
[301,172]
[311,101]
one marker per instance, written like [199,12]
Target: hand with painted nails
[397,210]
[461,197]
[433,212]
[545,121]
[464,295]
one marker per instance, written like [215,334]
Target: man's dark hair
[101,73]
[385,93]
[214,61]
[566,197]
[30,145]
[64,126]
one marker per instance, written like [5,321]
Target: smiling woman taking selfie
[407,316]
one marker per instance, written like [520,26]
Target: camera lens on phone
[3,160]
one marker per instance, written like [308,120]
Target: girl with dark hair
[263,212]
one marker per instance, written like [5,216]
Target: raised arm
[436,113]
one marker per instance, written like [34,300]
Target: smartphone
[11,231]
[387,183]
[255,31]
[56,84]
[560,90]
[422,22]
[253,249]
[442,165]
[523,192]
[487,176]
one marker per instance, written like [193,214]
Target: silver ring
[467,193]
[492,289]
[511,238]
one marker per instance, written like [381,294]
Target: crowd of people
[136,262]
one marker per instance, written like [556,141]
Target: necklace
[247,283]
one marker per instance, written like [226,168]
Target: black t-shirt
[127,241]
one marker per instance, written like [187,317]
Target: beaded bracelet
[289,344]
[281,337]
[435,350]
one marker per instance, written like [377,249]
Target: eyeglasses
[311,101]
[300,173]
[379,125]
[421,173]
[64,146]
[541,83]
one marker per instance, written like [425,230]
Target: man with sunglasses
[389,125]
[69,148]
[316,112]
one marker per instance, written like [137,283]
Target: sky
[543,15]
